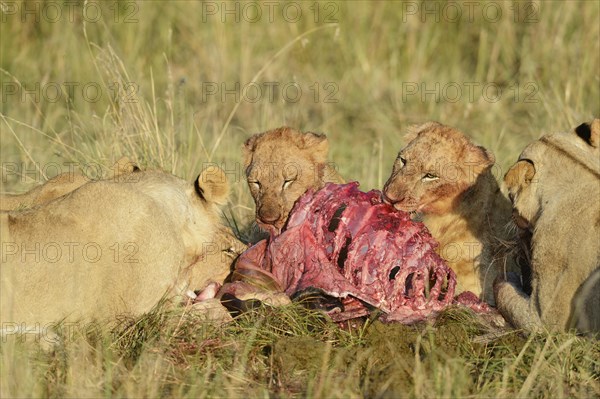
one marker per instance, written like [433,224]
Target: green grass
[293,352]
[167,58]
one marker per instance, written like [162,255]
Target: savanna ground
[85,83]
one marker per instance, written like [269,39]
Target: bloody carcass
[354,248]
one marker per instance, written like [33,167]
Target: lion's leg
[515,305]
[560,300]
[586,306]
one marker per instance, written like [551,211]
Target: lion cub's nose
[390,199]
[268,216]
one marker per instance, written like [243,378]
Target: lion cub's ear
[476,160]
[248,148]
[413,131]
[589,132]
[484,156]
[318,145]
[520,174]
[212,185]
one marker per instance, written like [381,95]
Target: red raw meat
[353,246]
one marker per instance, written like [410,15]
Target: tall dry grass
[155,64]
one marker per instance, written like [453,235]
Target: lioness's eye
[429,177]
[255,184]
[402,161]
[230,252]
[287,183]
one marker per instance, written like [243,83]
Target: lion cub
[281,164]
[443,175]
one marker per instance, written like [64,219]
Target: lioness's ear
[520,174]
[123,166]
[5,220]
[212,185]
[595,139]
[589,132]
[318,144]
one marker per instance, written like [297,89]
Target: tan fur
[449,180]
[113,247]
[281,164]
[555,190]
[60,185]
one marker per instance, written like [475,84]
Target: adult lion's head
[548,168]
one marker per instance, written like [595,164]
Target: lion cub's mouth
[411,208]
[274,229]
[414,213]
[401,205]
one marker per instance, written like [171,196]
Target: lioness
[111,248]
[280,165]
[60,185]
[443,175]
[555,189]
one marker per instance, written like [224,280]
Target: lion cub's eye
[429,177]
[402,161]
[287,183]
[254,184]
